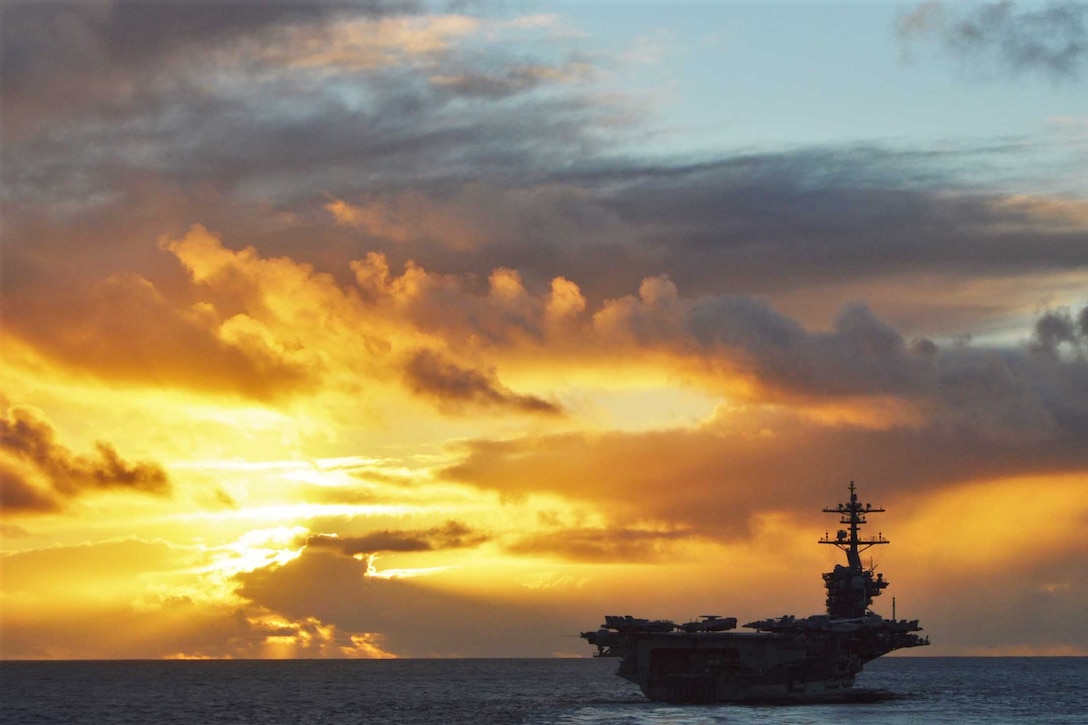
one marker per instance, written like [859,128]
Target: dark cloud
[39,474]
[450,535]
[765,223]
[1051,40]
[311,139]
[1056,327]
[452,387]
[861,355]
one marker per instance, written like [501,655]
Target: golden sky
[384,330]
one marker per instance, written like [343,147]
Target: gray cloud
[801,216]
[1056,327]
[62,57]
[191,92]
[1052,40]
[861,355]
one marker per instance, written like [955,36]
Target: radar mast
[851,588]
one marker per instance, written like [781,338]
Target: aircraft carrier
[784,658]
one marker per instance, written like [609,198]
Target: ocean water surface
[893,691]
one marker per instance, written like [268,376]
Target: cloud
[365,44]
[410,218]
[431,375]
[419,213]
[508,81]
[120,599]
[177,628]
[767,222]
[274,328]
[200,120]
[973,415]
[1051,40]
[124,328]
[90,55]
[745,336]
[812,227]
[465,189]
[602,545]
[306,93]
[411,620]
[39,474]
[451,535]
[1057,327]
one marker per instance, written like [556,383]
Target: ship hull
[745,667]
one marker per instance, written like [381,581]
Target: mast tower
[851,588]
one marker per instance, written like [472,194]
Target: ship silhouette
[785,658]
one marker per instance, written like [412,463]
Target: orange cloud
[123,328]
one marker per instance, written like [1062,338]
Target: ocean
[894,691]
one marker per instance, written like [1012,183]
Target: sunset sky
[412,329]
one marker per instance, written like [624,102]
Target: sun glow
[258,548]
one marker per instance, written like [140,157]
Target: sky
[443,329]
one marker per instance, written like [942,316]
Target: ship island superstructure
[784,658]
